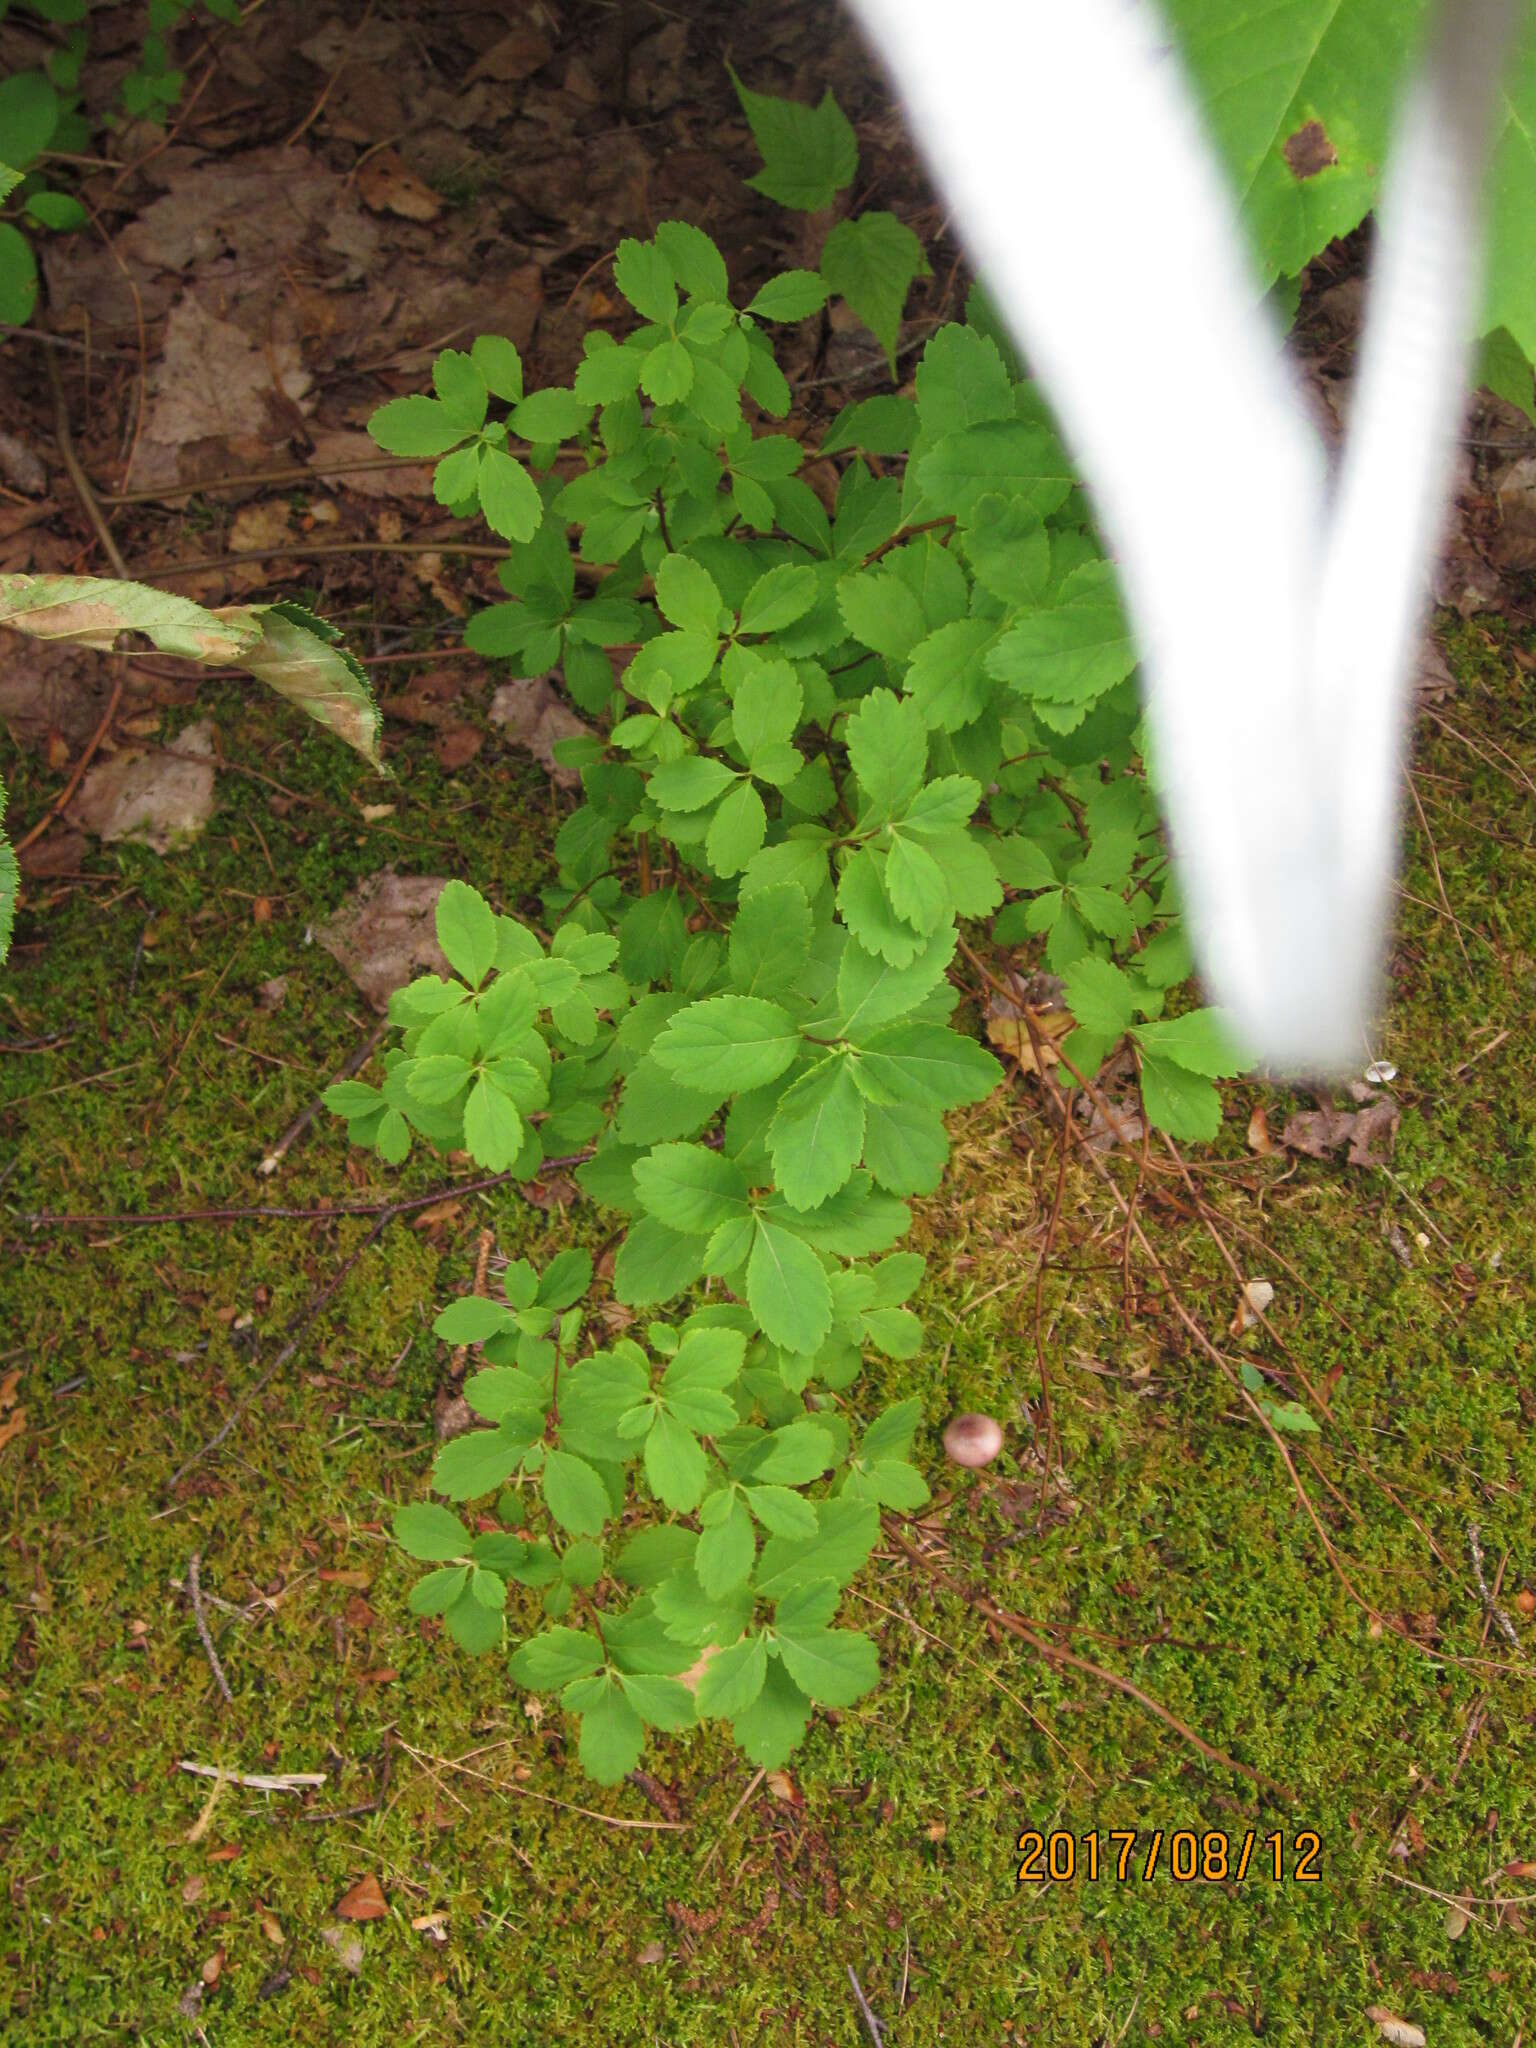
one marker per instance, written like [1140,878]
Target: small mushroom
[972,1440]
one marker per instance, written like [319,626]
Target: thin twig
[195,1596]
[258,1781]
[299,1330]
[1491,1607]
[869,2019]
[516,1791]
[84,490]
[43,1219]
[1055,1654]
[355,1061]
[284,553]
[78,771]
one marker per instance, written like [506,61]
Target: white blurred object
[1276,606]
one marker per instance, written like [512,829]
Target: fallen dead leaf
[1008,1031]
[153,797]
[1400,2033]
[348,1947]
[259,526]
[13,1419]
[515,56]
[532,714]
[653,1952]
[784,1788]
[336,449]
[1457,1920]
[387,184]
[213,382]
[21,467]
[384,934]
[1369,1133]
[213,1968]
[270,1927]
[1259,1139]
[456,746]
[192,1890]
[433,1925]
[57,853]
[365,1901]
[270,995]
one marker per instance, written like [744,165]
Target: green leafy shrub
[824,738]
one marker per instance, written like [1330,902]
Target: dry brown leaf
[259,526]
[456,746]
[336,449]
[1259,1139]
[516,55]
[784,1788]
[1369,1133]
[653,1952]
[348,1946]
[213,1968]
[384,934]
[155,798]
[365,1901]
[1399,2033]
[1457,1920]
[533,714]
[192,1889]
[21,467]
[212,382]
[270,1927]
[387,184]
[1008,1031]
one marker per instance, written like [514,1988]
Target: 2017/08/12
[1187,1857]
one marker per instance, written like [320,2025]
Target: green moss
[1172,1550]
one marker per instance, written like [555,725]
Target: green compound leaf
[871,262]
[643,274]
[834,1666]
[817,1134]
[787,1289]
[1183,1104]
[466,931]
[772,1728]
[809,153]
[732,1043]
[1200,1040]
[429,1532]
[732,1680]
[509,498]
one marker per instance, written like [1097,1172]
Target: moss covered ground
[1170,1547]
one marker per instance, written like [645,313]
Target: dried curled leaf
[92,610]
[283,645]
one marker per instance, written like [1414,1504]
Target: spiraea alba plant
[822,740]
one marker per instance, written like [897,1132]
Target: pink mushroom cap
[972,1440]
